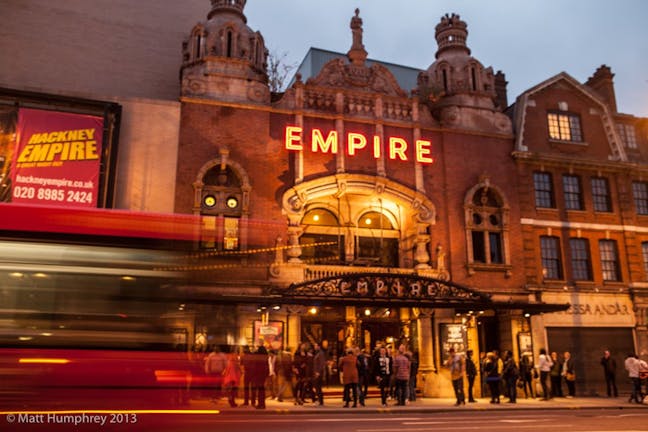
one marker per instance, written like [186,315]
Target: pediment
[374,79]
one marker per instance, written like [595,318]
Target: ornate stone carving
[375,79]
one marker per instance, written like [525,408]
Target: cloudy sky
[528,40]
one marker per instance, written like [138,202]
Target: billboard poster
[453,336]
[57,158]
[268,334]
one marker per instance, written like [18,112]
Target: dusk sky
[529,40]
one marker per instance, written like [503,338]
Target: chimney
[501,98]
[602,82]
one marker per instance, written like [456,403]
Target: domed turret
[459,89]
[225,59]
[451,34]
[234,6]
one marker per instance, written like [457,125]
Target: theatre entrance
[330,326]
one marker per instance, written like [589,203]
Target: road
[581,420]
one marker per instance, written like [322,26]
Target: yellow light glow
[16,275]
[40,275]
[128,278]
[316,218]
[44,360]
[312,310]
[368,221]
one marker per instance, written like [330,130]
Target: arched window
[487,227]
[376,240]
[197,43]
[229,48]
[323,238]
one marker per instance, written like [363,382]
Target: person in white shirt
[544,365]
[633,365]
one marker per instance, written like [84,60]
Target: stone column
[351,332]
[425,340]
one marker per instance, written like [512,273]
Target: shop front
[593,323]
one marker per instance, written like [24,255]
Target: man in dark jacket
[609,370]
[320,360]
[471,373]
[260,371]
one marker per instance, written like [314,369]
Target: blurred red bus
[83,319]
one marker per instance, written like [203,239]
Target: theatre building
[348,208]
[368,202]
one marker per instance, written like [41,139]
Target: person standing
[349,367]
[319,371]
[511,374]
[383,371]
[491,371]
[569,373]
[260,372]
[273,381]
[284,373]
[300,372]
[555,375]
[215,364]
[364,372]
[526,374]
[544,366]
[609,371]
[232,376]
[414,365]
[633,365]
[457,366]
[471,374]
[402,374]
[246,364]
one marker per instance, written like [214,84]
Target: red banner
[57,158]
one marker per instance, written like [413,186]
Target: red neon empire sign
[397,148]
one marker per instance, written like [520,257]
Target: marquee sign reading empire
[384,287]
[56,161]
[396,148]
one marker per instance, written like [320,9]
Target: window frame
[581,259]
[552,266]
[564,126]
[610,266]
[601,199]
[543,195]
[640,198]
[628,135]
[644,254]
[572,192]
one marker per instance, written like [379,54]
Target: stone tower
[225,59]
[460,90]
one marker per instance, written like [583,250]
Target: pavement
[421,405]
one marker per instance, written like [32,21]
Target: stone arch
[236,168]
[487,222]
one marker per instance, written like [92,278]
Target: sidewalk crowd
[302,377]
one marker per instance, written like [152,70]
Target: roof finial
[357,54]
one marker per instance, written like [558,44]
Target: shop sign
[395,148]
[613,308]
[591,310]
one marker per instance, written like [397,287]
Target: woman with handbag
[568,372]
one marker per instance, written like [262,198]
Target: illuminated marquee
[397,148]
